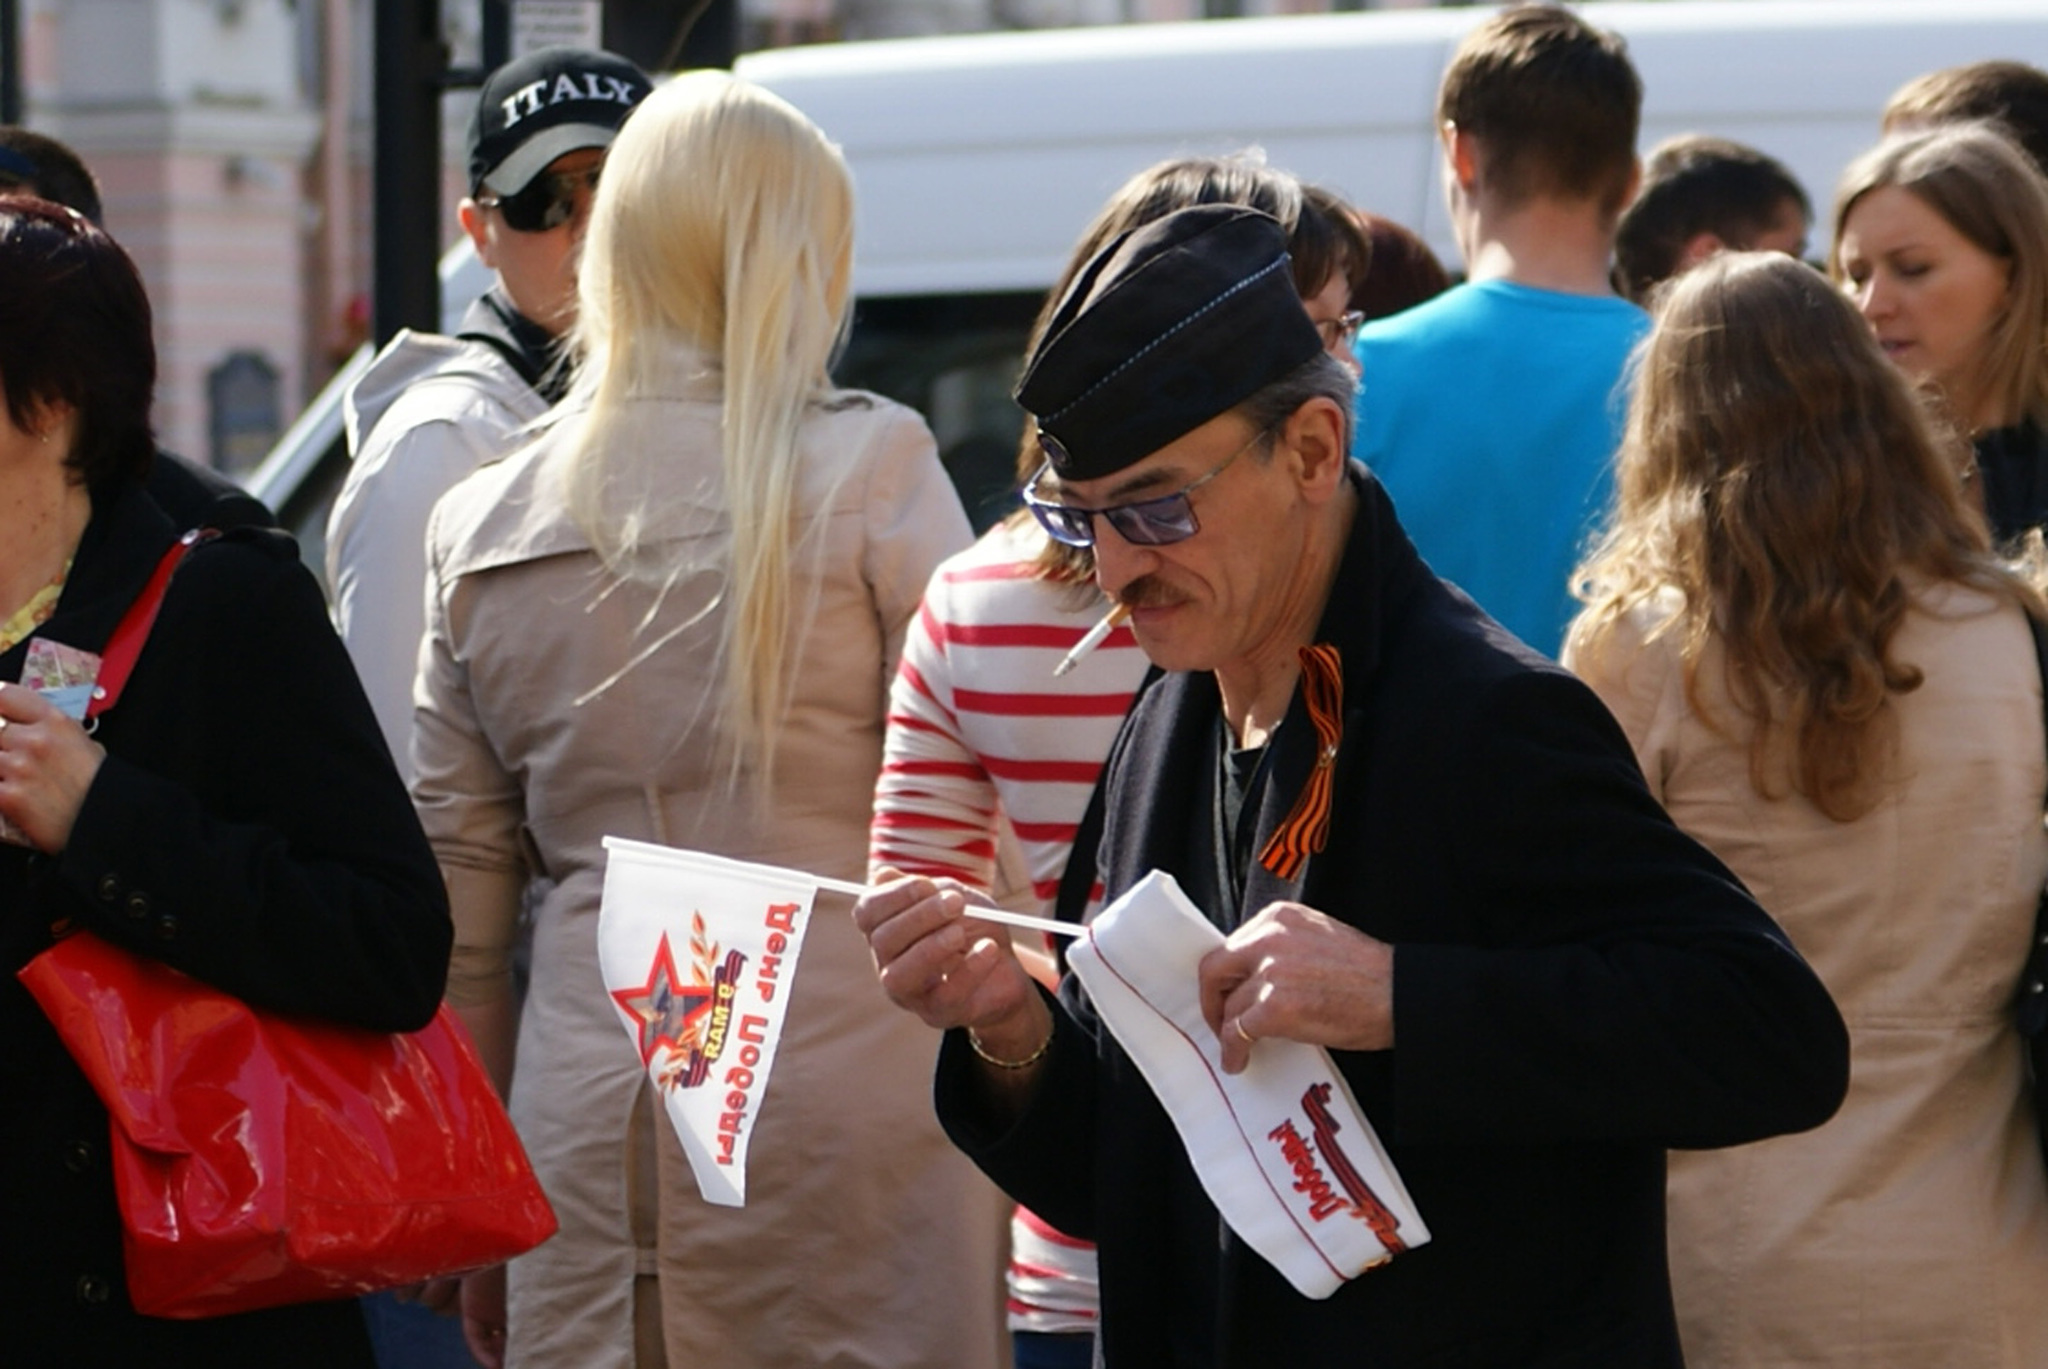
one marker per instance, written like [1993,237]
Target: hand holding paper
[1295,974]
[936,963]
[1281,1147]
[49,762]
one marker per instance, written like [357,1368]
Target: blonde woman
[674,617]
[1830,682]
[1941,238]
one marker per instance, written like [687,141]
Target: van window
[954,359]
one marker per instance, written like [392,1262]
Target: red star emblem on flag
[665,1008]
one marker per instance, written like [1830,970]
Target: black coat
[1577,985]
[2013,464]
[248,827]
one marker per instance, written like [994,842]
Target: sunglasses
[548,202]
[1147,523]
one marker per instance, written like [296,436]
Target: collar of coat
[1159,749]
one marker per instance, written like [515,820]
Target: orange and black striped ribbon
[1307,828]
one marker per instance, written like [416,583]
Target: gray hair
[1322,376]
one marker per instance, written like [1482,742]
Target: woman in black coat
[235,814]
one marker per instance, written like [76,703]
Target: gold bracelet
[974,1044]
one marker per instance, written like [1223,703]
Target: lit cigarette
[1093,639]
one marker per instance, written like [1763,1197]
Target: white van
[978,160]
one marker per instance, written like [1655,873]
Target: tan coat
[1912,1230]
[549,717]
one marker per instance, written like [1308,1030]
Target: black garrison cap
[1165,328]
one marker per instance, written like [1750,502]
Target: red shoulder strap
[118,659]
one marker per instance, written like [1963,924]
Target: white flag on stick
[699,954]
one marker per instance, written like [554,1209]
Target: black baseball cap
[551,101]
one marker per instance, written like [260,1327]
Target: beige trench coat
[1912,1230]
[549,716]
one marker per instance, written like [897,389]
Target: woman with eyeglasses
[1830,681]
[674,617]
[232,813]
[1941,239]
[991,756]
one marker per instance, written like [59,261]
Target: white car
[978,160]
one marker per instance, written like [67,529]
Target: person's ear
[46,418]
[1697,249]
[470,215]
[1461,157]
[1314,436]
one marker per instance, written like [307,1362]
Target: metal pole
[497,34]
[10,62]
[406,226]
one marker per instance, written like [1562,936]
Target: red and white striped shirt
[980,729]
[983,736]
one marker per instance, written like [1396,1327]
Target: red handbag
[262,1159]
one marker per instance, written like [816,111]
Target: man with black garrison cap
[1430,849]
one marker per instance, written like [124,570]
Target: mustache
[1147,591]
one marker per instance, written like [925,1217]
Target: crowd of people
[1598,701]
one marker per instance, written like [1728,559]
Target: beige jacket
[1912,1230]
[556,707]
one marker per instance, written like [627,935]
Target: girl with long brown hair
[1829,680]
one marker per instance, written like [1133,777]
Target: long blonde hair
[1781,475]
[720,243]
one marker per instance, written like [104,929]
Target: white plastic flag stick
[1002,915]
[844,886]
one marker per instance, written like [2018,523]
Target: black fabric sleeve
[1634,992]
[247,825]
[1043,1158]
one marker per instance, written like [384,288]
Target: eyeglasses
[1146,523]
[548,202]
[1338,333]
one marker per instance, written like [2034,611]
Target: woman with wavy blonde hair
[1830,681]
[674,616]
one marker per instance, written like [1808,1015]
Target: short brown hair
[1403,271]
[1695,184]
[77,335]
[1554,101]
[2013,95]
[42,166]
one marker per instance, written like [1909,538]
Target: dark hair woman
[1829,681]
[235,815]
